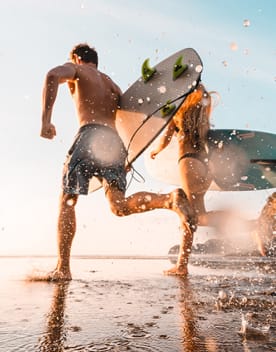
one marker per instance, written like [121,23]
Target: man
[98,151]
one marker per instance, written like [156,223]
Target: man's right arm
[54,77]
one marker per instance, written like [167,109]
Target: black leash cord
[148,117]
[137,130]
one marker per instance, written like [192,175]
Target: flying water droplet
[234,46]
[198,68]
[162,89]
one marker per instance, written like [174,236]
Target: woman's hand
[153,154]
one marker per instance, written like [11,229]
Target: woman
[191,124]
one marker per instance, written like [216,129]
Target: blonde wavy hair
[193,116]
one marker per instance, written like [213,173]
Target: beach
[127,304]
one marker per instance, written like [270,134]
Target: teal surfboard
[240,160]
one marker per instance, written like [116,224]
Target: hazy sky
[236,41]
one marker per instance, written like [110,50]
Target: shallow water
[128,305]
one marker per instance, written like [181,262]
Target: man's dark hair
[85,53]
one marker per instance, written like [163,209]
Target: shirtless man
[98,151]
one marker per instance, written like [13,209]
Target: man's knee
[118,209]
[69,199]
[117,201]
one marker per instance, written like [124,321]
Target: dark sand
[226,304]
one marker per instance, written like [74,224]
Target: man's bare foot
[177,271]
[55,275]
[182,207]
[58,275]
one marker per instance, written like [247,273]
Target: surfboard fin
[167,109]
[147,71]
[179,68]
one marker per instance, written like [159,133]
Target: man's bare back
[95,95]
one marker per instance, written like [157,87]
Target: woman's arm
[164,140]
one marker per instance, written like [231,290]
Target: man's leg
[141,202]
[146,201]
[66,232]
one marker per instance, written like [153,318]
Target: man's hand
[48,131]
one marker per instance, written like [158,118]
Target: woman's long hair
[192,118]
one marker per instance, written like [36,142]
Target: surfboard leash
[129,164]
[140,178]
[149,116]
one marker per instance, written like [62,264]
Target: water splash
[246,23]
[251,329]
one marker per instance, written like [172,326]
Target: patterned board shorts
[97,151]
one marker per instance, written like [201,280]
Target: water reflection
[189,316]
[247,299]
[152,315]
[192,338]
[54,336]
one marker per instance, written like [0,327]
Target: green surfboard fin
[179,68]
[167,109]
[147,71]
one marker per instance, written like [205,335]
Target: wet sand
[226,304]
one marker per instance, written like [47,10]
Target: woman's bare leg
[186,242]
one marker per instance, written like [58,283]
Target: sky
[236,42]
